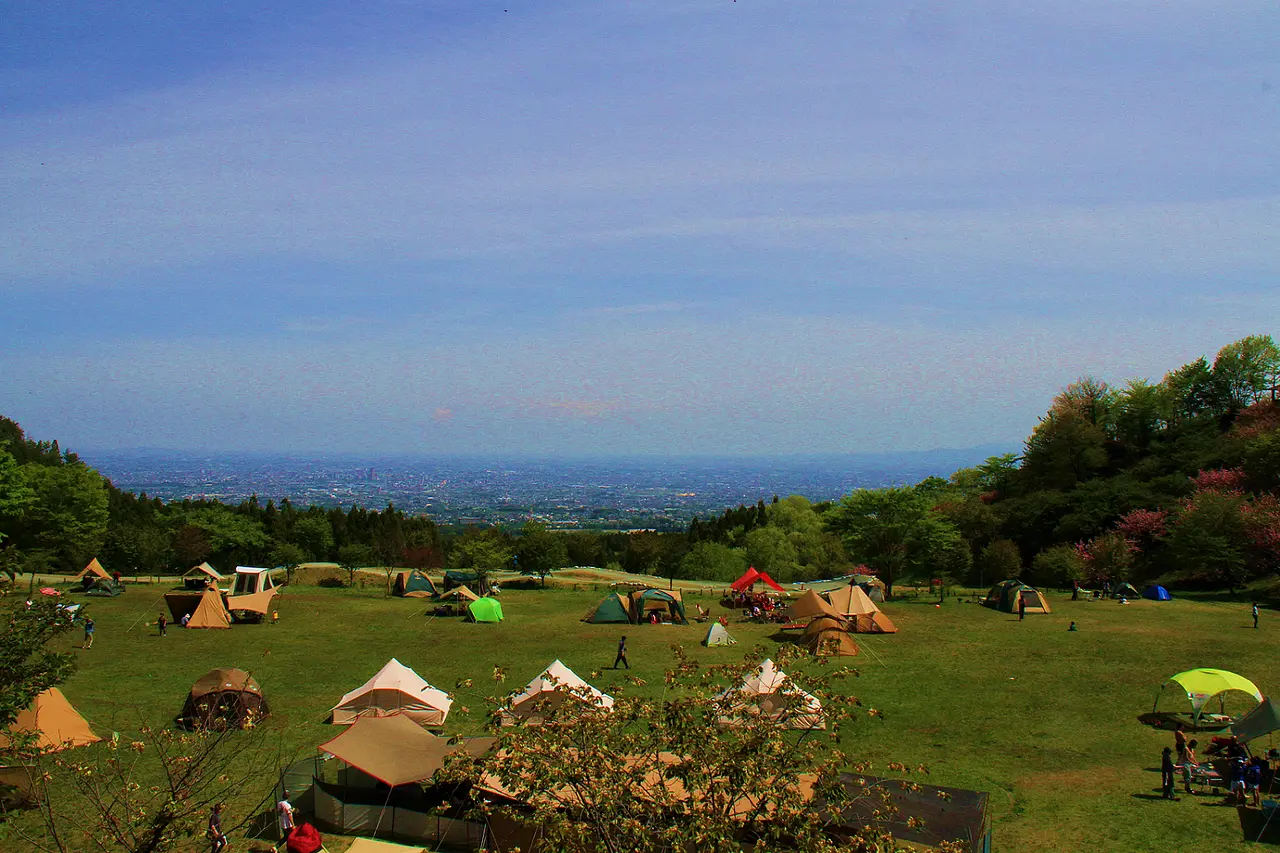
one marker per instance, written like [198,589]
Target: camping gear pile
[647,605]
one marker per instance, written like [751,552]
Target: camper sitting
[703,613]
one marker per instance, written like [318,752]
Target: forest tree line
[1175,480]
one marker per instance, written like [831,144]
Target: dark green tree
[539,552]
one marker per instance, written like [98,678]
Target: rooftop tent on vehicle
[1004,597]
[613,609]
[1155,592]
[251,579]
[485,610]
[413,581]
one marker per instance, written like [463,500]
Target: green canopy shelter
[485,610]
[1202,685]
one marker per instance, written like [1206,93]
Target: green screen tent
[485,610]
[613,609]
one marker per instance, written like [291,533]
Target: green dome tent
[485,610]
[1004,597]
[613,609]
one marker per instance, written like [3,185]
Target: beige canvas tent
[94,569]
[546,693]
[828,635]
[211,612]
[459,593]
[397,751]
[258,602]
[771,693]
[864,617]
[811,605]
[198,577]
[394,689]
[370,845]
[55,724]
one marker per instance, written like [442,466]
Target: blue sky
[681,227]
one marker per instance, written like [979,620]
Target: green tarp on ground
[486,610]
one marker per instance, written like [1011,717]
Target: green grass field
[1041,718]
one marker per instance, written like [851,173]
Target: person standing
[1022,607]
[88,633]
[1189,764]
[1255,616]
[622,654]
[1180,743]
[284,809]
[1166,774]
[217,838]
[163,624]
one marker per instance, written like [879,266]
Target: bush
[1058,566]
[332,583]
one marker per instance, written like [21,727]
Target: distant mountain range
[612,493]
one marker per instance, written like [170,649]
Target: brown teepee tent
[828,635]
[811,605]
[54,722]
[211,612]
[856,606]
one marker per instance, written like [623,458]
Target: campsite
[985,702]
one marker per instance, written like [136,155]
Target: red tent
[748,579]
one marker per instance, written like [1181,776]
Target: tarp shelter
[667,603]
[251,579]
[105,587]
[1262,720]
[827,635]
[1126,590]
[394,689]
[94,569]
[1201,685]
[210,612]
[54,722]
[913,813]
[871,585]
[456,578]
[546,693]
[221,698]
[613,609]
[811,605]
[864,617]
[461,593]
[718,635]
[485,610]
[198,577]
[1004,597]
[771,693]
[749,578]
[413,582]
[258,602]
[397,751]
[1155,592]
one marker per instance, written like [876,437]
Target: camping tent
[749,578]
[1126,590]
[395,750]
[667,603]
[1004,597]
[864,617]
[827,635]
[210,612]
[871,585]
[223,697]
[545,694]
[258,602]
[1262,720]
[394,689]
[1201,685]
[250,579]
[94,569]
[718,635]
[771,693]
[485,610]
[198,577]
[811,605]
[460,593]
[1155,592]
[455,578]
[105,587]
[55,724]
[414,584]
[613,609]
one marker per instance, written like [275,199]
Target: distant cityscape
[609,494]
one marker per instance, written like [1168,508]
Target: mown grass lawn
[1041,718]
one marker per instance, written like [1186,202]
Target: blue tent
[1156,592]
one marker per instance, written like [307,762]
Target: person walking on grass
[1166,774]
[163,624]
[217,838]
[622,654]
[1255,616]
[88,633]
[1022,607]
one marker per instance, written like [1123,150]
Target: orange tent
[95,569]
[211,612]
[54,722]
[864,616]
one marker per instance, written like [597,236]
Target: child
[1166,774]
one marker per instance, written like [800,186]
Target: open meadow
[1041,718]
